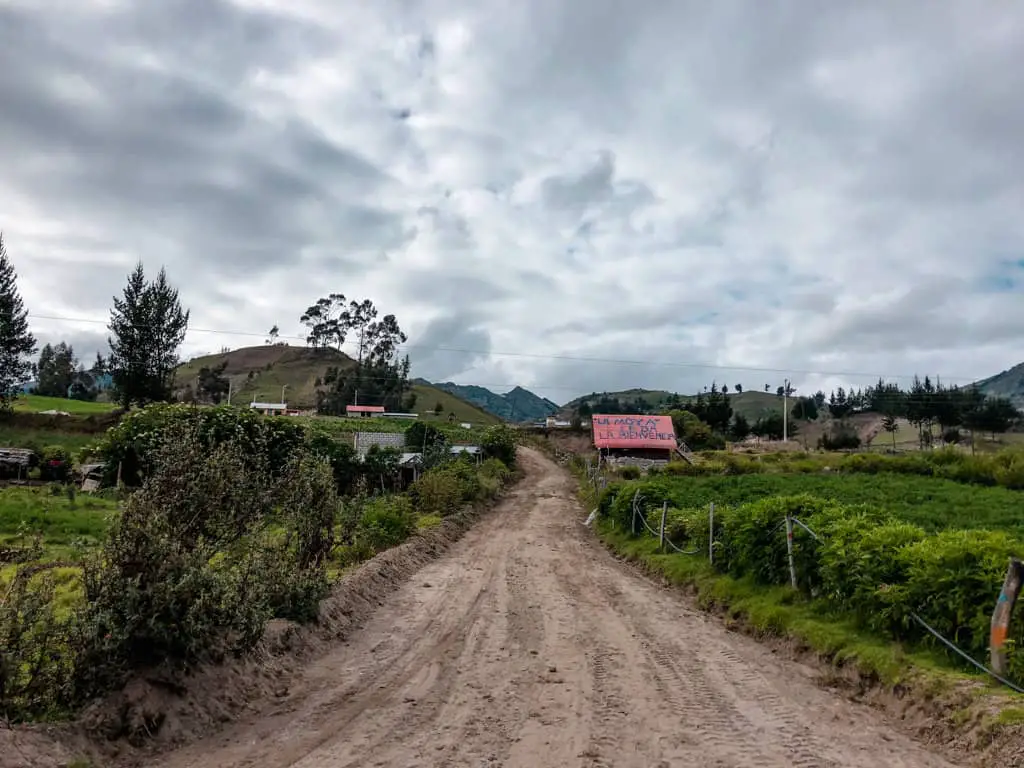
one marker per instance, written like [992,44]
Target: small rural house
[364,411]
[635,436]
[270,409]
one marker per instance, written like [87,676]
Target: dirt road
[528,645]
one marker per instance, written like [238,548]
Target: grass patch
[64,525]
[38,403]
[427,522]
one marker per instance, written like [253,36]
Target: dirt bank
[528,644]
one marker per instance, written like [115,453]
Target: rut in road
[528,644]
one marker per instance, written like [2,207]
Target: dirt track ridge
[527,644]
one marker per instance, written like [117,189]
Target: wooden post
[119,464]
[634,511]
[711,534]
[664,511]
[1001,615]
[789,550]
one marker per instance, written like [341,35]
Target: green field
[933,503]
[38,403]
[64,524]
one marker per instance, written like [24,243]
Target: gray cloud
[678,182]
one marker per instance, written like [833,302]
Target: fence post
[711,534]
[1001,615]
[119,474]
[661,537]
[634,511]
[789,550]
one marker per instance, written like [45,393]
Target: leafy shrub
[342,457]
[36,661]
[437,492]
[420,436]
[499,442]
[133,442]
[203,553]
[860,564]
[55,464]
[630,473]
[952,582]
[839,439]
[386,522]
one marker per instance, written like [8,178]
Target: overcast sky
[820,188]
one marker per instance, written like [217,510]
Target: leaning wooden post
[634,511]
[119,464]
[789,550]
[1001,615]
[711,534]
[661,537]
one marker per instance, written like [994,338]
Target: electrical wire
[540,356]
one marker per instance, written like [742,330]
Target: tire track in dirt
[527,644]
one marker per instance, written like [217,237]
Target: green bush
[386,522]
[629,473]
[499,442]
[56,464]
[133,442]
[36,659]
[437,492]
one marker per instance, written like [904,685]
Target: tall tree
[99,366]
[327,322]
[148,326]
[56,370]
[274,333]
[16,343]
[213,385]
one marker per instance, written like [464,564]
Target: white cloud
[680,182]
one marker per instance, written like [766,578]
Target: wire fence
[790,523]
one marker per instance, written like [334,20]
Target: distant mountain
[1008,384]
[515,405]
[752,404]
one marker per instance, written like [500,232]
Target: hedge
[866,563]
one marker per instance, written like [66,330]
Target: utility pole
[229,391]
[282,392]
[785,410]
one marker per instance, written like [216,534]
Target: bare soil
[528,644]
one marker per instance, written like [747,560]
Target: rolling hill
[1008,384]
[264,372]
[517,404]
[751,404]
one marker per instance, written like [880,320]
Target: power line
[565,358]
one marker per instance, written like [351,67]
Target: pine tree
[16,343]
[148,326]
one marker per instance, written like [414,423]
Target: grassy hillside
[260,373]
[428,396]
[38,404]
[1009,384]
[750,404]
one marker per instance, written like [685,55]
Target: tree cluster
[148,326]
[379,376]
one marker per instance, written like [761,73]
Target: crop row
[868,562]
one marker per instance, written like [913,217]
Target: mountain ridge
[518,404]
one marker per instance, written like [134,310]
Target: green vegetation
[932,503]
[890,545]
[236,519]
[39,403]
[65,521]
[453,408]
